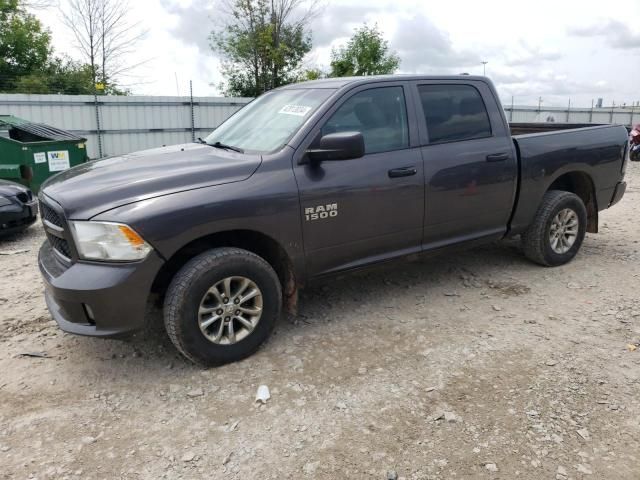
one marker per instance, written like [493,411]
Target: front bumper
[17,217]
[618,193]
[97,299]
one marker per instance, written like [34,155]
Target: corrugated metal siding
[525,114]
[126,123]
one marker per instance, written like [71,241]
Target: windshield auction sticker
[298,110]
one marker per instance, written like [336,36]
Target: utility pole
[193,118]
[484,67]
[511,112]
[97,109]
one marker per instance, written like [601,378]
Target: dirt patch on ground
[475,365]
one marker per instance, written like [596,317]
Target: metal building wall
[618,115]
[127,124]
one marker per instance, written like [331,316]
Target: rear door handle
[497,157]
[402,172]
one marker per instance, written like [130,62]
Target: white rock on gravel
[451,417]
[561,473]
[196,392]
[263,394]
[492,467]
[584,469]
[188,457]
[584,433]
[310,468]
[88,440]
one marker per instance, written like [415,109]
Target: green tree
[59,75]
[311,74]
[262,44]
[25,46]
[27,64]
[366,53]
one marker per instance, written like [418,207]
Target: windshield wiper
[226,147]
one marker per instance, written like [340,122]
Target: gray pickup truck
[309,180]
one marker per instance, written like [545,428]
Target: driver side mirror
[337,146]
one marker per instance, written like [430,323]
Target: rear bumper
[95,299]
[618,193]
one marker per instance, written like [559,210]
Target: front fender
[267,203]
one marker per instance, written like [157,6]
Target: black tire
[536,240]
[190,285]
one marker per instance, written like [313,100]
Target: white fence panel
[621,116]
[129,124]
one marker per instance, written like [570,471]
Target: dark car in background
[18,207]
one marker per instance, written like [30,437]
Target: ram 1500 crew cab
[305,181]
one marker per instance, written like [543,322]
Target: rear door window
[454,113]
[380,114]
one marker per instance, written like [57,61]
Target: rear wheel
[222,305]
[558,229]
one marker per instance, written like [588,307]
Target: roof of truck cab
[340,82]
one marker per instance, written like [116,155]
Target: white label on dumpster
[58,161]
[40,157]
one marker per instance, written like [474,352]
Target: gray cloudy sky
[557,49]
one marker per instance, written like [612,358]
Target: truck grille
[50,214]
[59,244]
[56,238]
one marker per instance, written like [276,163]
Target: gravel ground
[476,364]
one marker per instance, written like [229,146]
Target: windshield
[268,122]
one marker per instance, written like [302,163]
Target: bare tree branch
[104,36]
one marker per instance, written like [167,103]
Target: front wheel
[557,231]
[222,305]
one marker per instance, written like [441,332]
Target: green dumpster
[32,152]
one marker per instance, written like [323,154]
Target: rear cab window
[454,113]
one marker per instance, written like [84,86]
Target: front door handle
[402,172]
[497,157]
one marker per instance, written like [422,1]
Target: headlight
[108,241]
[4,201]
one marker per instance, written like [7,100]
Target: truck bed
[546,151]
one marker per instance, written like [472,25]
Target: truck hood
[95,187]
